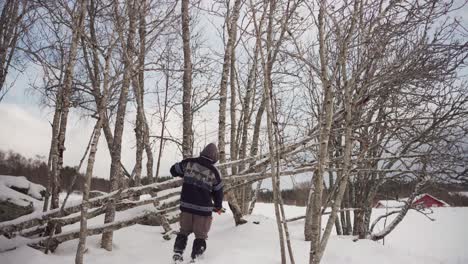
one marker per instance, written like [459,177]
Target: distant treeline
[35,170]
[390,190]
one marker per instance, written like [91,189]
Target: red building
[427,200]
[422,200]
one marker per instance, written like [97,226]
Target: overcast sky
[25,124]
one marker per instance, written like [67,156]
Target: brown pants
[200,225]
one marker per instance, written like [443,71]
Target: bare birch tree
[187,134]
[15,19]
[128,61]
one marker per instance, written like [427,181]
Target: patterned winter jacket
[202,185]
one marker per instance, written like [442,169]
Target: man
[202,193]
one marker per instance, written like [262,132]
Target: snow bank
[12,196]
[390,204]
[33,190]
[8,194]
[459,193]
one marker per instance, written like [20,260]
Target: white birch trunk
[187,135]
[233,204]
[116,167]
[87,187]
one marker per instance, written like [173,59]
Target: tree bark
[141,84]
[232,29]
[87,186]
[187,133]
[11,29]
[53,153]
[116,167]
[401,214]
[315,196]
[247,194]
[164,117]
[267,64]
[78,23]
[254,148]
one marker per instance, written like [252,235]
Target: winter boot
[179,247]
[177,258]
[180,243]
[199,246]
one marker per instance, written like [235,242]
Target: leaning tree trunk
[164,117]
[254,149]
[408,204]
[247,113]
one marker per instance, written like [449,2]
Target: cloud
[22,131]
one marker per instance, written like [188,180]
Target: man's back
[202,183]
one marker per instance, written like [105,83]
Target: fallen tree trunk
[32,220]
[122,206]
[74,218]
[58,239]
[323,213]
[52,243]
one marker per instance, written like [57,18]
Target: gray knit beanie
[210,152]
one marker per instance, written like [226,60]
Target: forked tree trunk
[142,128]
[141,84]
[232,22]
[267,64]
[343,180]
[319,243]
[116,167]
[315,196]
[65,94]
[53,153]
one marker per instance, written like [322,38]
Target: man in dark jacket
[202,193]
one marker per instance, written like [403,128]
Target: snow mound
[20,182]
[12,196]
[12,188]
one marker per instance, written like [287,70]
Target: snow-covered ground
[460,193]
[416,240]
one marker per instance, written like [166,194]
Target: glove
[219,211]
